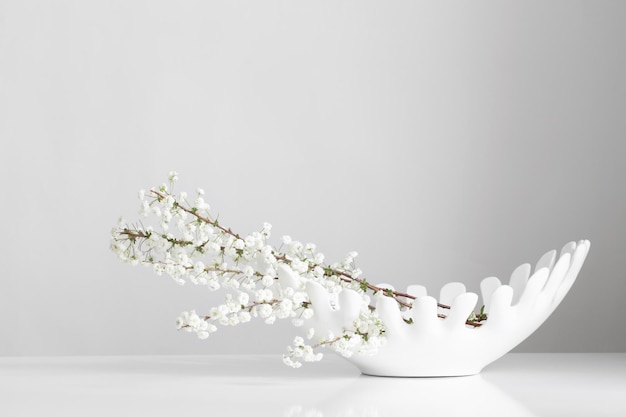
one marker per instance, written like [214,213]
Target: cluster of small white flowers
[189,244]
[191,322]
[299,350]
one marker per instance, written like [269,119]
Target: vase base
[434,375]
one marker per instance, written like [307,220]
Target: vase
[420,343]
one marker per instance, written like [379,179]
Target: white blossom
[264,310]
[268,280]
[243,298]
[263,295]
[244,317]
[199,267]
[288,360]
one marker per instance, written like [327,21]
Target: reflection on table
[516,385]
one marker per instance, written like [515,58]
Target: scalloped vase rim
[431,346]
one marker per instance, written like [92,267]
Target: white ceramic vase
[432,346]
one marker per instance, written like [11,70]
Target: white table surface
[260,385]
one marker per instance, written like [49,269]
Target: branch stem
[344,276]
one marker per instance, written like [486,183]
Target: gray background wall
[442,140]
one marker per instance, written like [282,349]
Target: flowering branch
[328,271]
[263,281]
